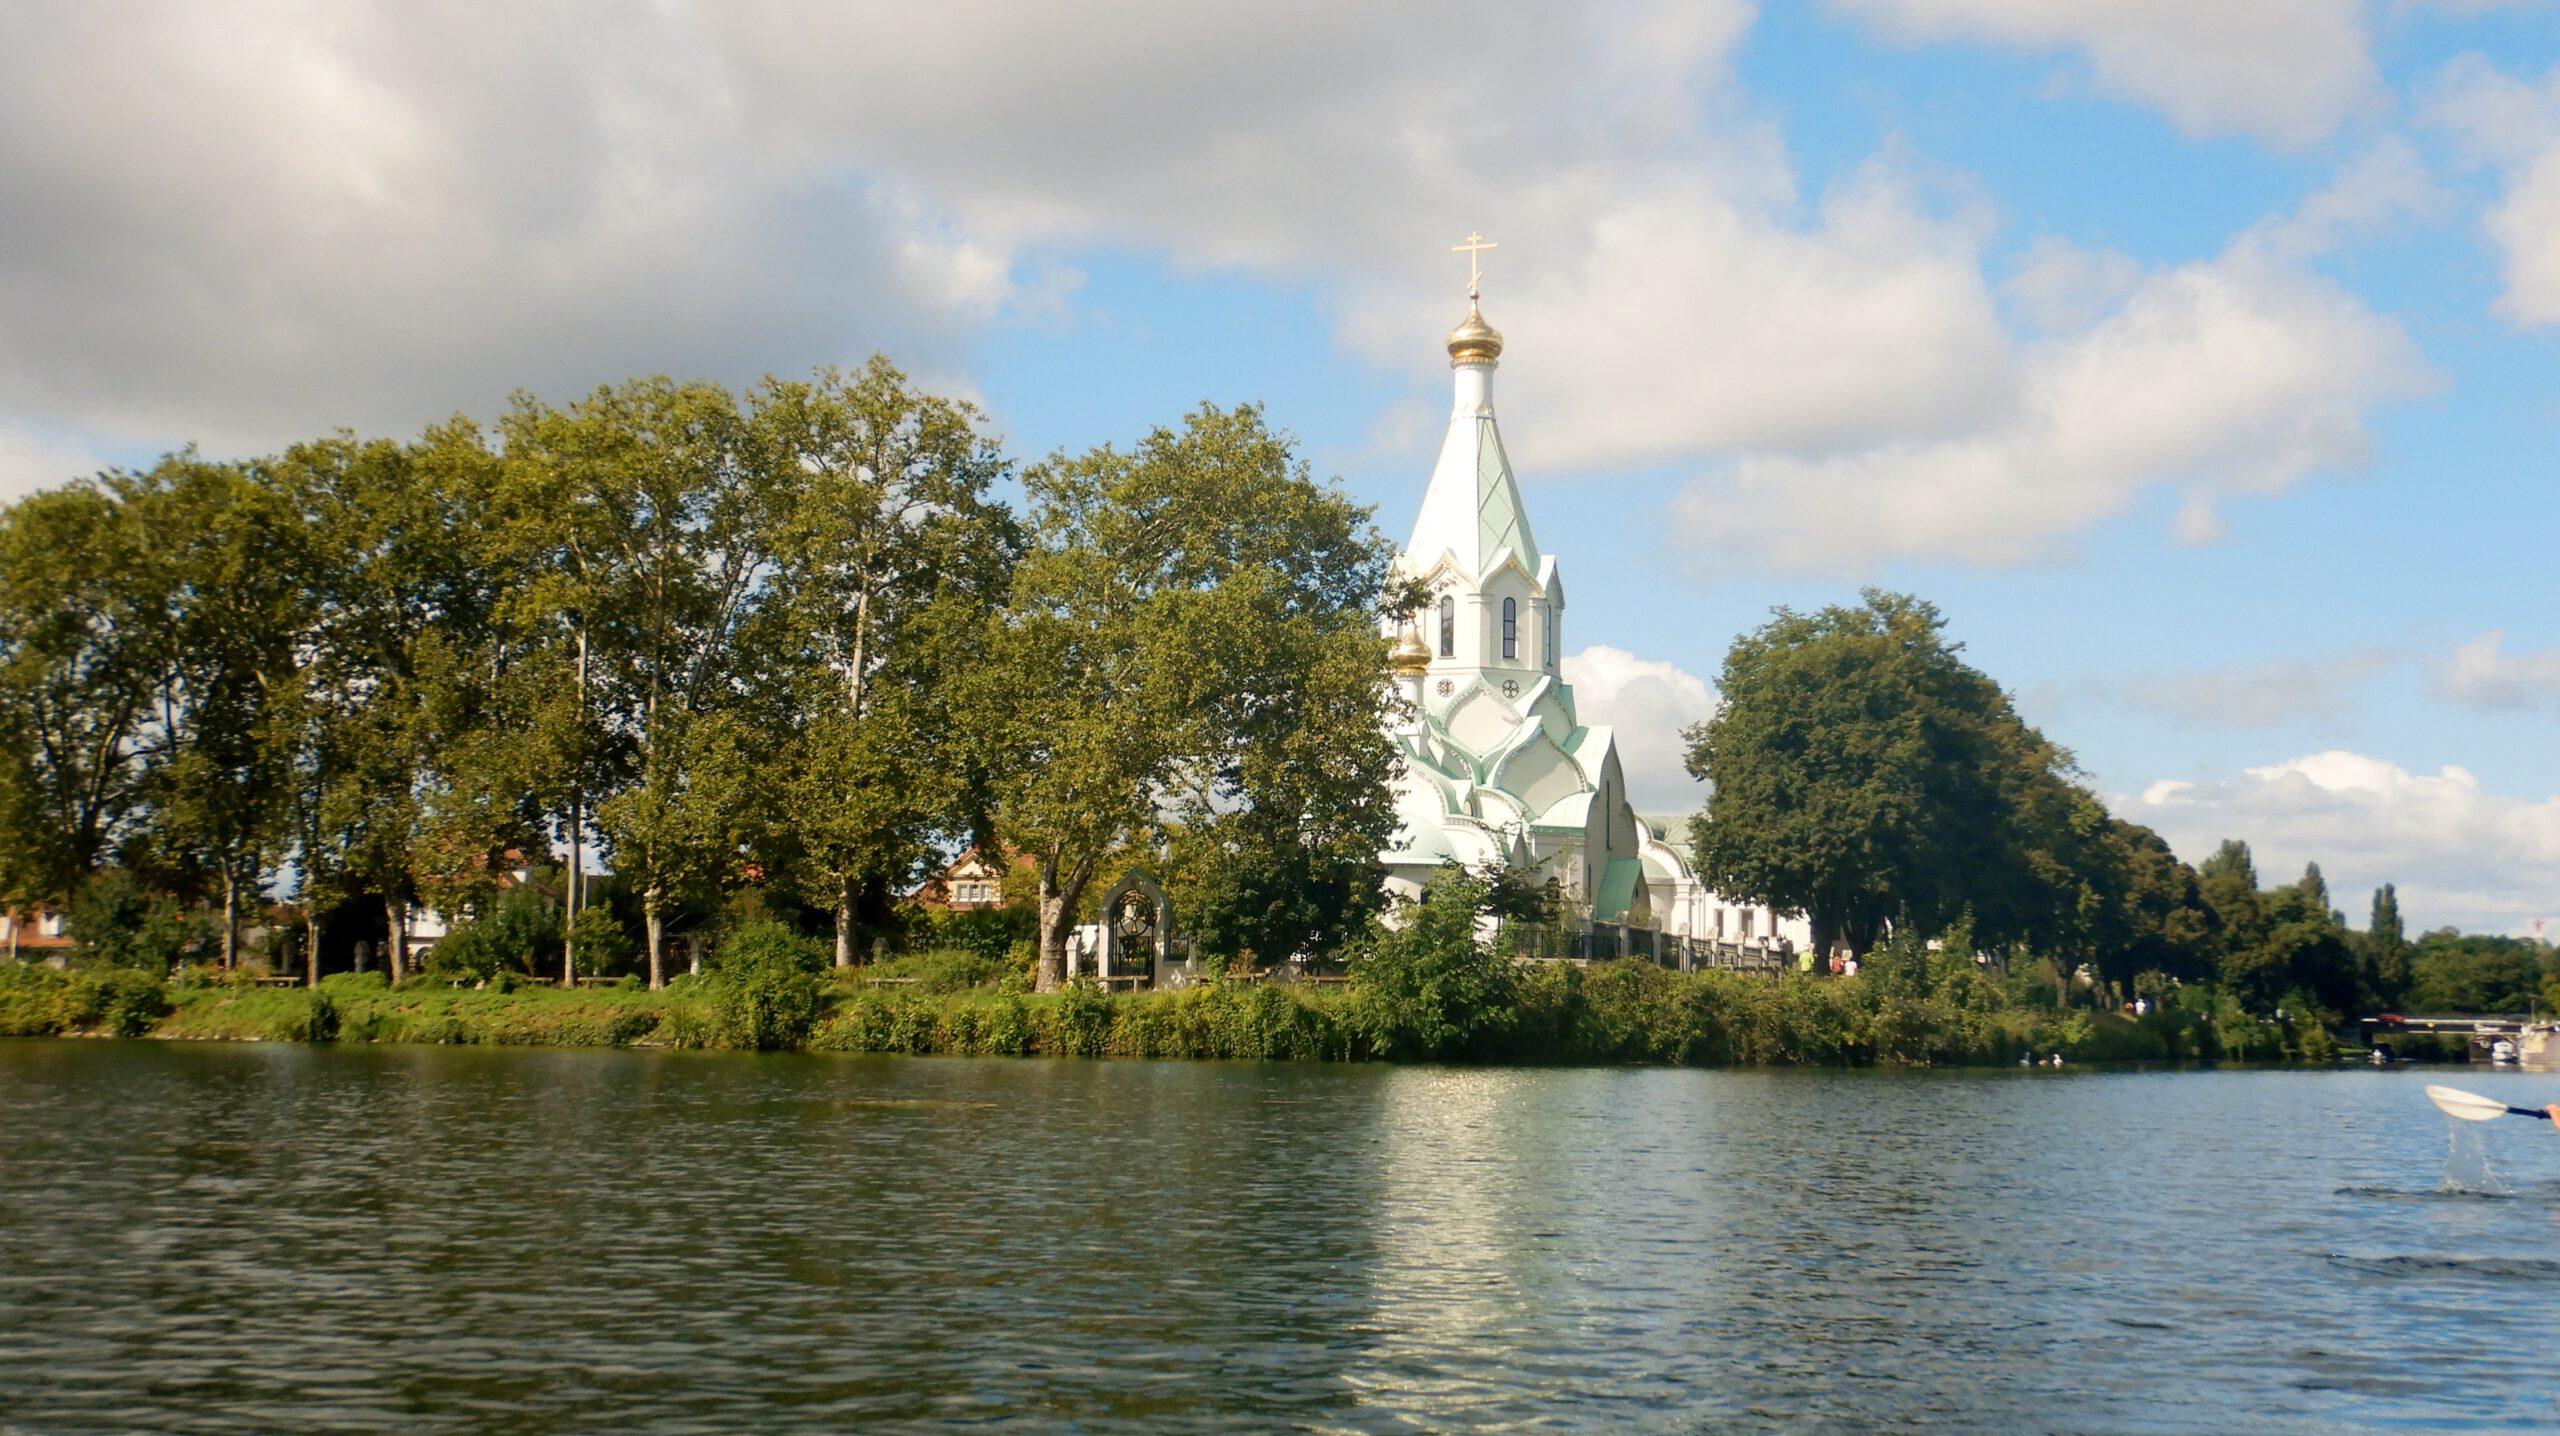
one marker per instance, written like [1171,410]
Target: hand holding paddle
[2472,1107]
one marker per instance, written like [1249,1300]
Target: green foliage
[950,969]
[519,934]
[2449,972]
[1193,626]
[1861,770]
[37,1001]
[764,988]
[1432,988]
[605,945]
[117,922]
[30,1000]
[989,933]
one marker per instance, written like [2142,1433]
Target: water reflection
[262,1238]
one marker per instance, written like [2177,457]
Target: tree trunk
[230,921]
[574,894]
[1058,895]
[657,925]
[569,901]
[396,941]
[310,947]
[693,954]
[844,920]
[1057,922]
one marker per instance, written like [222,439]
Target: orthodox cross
[1476,244]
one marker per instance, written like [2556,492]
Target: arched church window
[1547,630]
[1448,626]
[1511,628]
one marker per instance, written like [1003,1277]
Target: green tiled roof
[1617,889]
[1501,522]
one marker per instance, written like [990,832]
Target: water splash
[2466,1163]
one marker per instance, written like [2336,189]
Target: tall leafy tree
[1861,772]
[2128,905]
[888,556]
[233,555]
[2387,947]
[656,524]
[396,674]
[1179,606]
[84,636]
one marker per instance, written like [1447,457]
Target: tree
[2451,972]
[84,633]
[2386,945]
[2315,892]
[398,672]
[228,692]
[648,500]
[888,559]
[1194,624]
[2139,909]
[1860,771]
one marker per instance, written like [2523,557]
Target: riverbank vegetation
[1435,992]
[1858,770]
[766,652]
[774,654]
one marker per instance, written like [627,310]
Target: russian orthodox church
[1496,766]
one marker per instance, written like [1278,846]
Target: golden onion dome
[1474,341]
[1410,659]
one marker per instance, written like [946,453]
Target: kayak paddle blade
[2469,1106]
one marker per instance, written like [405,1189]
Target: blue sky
[2201,362]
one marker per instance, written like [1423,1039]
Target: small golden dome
[1474,341]
[1410,659]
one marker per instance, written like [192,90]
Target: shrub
[987,932]
[605,945]
[947,969]
[1432,988]
[764,987]
[1080,1020]
[318,1021]
[31,1001]
[519,933]
[128,1003]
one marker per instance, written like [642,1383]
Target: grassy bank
[1552,1013]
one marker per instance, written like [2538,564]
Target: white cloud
[262,222]
[300,215]
[1672,319]
[2382,186]
[303,215]
[2274,693]
[2287,72]
[2482,674]
[1665,287]
[2236,376]
[2060,287]
[1648,703]
[2514,126]
[2460,854]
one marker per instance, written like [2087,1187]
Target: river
[259,1238]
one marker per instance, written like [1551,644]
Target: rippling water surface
[214,1238]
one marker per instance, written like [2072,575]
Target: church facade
[1497,767]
